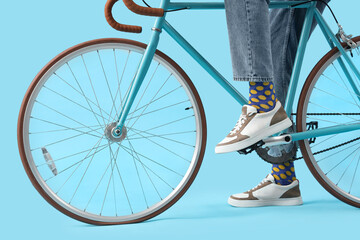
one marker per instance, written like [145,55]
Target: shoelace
[240,122]
[262,182]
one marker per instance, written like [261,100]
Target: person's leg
[250,47]
[286,26]
[249,35]
[283,173]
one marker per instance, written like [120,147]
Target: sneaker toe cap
[227,140]
[240,196]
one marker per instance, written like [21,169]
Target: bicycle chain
[333,147]
[252,148]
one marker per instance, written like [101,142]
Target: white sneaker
[268,193]
[253,127]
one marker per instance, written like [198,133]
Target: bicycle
[113,131]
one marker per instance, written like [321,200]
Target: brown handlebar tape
[158,12]
[114,24]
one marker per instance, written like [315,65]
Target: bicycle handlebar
[157,12]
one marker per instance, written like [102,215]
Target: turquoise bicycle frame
[312,12]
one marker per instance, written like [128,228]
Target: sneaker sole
[250,141]
[261,203]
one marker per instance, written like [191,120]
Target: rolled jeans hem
[254,79]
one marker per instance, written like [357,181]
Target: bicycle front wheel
[72,160]
[329,99]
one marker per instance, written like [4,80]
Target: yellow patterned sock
[284,173]
[262,96]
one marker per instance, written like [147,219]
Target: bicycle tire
[24,149]
[321,174]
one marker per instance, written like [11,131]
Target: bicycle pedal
[312,126]
[251,148]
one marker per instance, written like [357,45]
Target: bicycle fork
[139,76]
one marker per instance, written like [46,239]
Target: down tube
[205,64]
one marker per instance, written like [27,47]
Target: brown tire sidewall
[39,76]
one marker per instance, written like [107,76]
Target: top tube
[221,5]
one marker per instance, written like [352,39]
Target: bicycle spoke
[78,104]
[118,91]
[117,74]
[157,163]
[128,151]
[330,94]
[353,178]
[65,116]
[138,159]
[83,94]
[340,162]
[165,124]
[65,139]
[142,188]
[344,82]
[113,157]
[78,164]
[114,193]
[84,170]
[169,139]
[346,89]
[128,90]
[323,120]
[161,135]
[123,185]
[87,167]
[71,155]
[164,148]
[107,82]
[144,90]
[97,186]
[347,167]
[155,100]
[59,130]
[93,89]
[325,140]
[332,110]
[333,154]
[77,91]
[159,109]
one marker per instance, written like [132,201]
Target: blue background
[33,32]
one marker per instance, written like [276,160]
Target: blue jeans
[263,43]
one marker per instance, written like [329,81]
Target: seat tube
[305,33]
[143,67]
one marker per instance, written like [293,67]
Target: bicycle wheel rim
[36,178]
[323,176]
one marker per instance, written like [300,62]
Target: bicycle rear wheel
[64,141]
[328,99]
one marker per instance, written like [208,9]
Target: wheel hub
[112,133]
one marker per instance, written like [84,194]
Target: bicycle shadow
[221,210]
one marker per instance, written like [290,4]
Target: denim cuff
[254,79]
